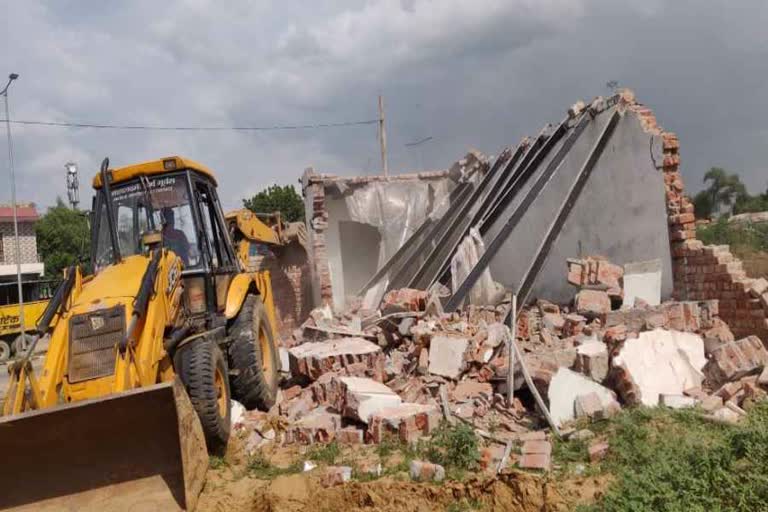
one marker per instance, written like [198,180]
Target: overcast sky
[478,73]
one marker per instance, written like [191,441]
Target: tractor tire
[21,344]
[253,356]
[203,370]
[5,351]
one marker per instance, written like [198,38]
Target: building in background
[31,266]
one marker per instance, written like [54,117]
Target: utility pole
[4,93]
[383,137]
[511,350]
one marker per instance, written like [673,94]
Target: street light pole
[4,93]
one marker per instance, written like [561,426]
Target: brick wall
[702,272]
[291,285]
[317,225]
[27,239]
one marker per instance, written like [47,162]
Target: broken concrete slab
[590,406]
[642,280]
[358,398]
[311,360]
[711,403]
[726,416]
[566,386]
[658,362]
[592,360]
[758,287]
[498,333]
[763,378]
[735,360]
[674,401]
[447,355]
[285,360]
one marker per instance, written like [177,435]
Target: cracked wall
[355,224]
[620,214]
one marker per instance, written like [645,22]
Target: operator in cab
[174,239]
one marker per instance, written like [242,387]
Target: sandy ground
[514,491]
[232,489]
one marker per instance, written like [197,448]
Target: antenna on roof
[73,185]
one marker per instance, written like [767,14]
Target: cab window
[172,213]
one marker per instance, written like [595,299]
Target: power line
[59,124]
[421,141]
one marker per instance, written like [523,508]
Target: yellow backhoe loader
[145,352]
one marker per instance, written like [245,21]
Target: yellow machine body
[115,427]
[9,317]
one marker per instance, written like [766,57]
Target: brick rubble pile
[364,376]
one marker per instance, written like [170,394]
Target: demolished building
[588,225]
[356,224]
[605,181]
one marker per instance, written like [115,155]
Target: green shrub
[216,462]
[752,236]
[259,466]
[676,461]
[454,447]
[324,453]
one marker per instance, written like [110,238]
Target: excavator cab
[146,351]
[181,204]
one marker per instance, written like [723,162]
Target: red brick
[592,303]
[535,461]
[598,450]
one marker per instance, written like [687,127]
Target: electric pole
[4,93]
[383,137]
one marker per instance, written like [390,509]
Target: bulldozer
[146,350]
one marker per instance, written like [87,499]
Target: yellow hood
[116,284]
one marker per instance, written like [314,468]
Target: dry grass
[755,262]
[749,243]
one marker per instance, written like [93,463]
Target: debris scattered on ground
[401,371]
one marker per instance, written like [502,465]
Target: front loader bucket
[139,450]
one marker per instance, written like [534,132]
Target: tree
[702,205]
[63,238]
[750,204]
[276,198]
[724,189]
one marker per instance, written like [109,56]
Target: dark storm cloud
[469,74]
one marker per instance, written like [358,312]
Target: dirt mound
[231,489]
[512,492]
